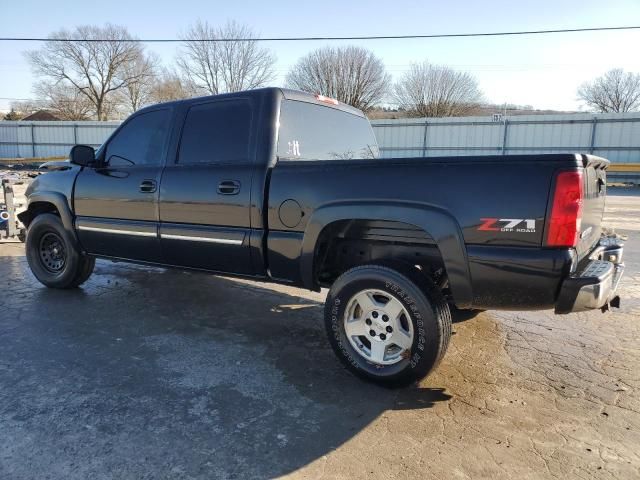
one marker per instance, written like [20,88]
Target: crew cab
[284,186]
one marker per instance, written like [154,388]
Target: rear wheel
[53,256]
[389,325]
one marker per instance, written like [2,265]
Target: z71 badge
[524,225]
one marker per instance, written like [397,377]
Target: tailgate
[595,189]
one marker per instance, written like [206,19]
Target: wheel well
[38,208]
[348,243]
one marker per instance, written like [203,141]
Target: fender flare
[62,205]
[435,221]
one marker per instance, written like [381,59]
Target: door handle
[229,187]
[148,186]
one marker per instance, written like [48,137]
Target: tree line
[105,74]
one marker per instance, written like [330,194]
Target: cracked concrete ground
[151,373]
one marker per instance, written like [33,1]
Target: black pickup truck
[285,186]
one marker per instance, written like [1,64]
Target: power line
[303,39]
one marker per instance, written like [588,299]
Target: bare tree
[615,91]
[170,86]
[352,75]
[437,91]
[224,66]
[13,115]
[96,69]
[26,107]
[143,70]
[65,101]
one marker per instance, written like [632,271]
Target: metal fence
[614,136]
[49,139]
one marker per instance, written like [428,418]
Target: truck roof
[285,93]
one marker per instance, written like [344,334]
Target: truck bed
[497,204]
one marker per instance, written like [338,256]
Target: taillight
[566,211]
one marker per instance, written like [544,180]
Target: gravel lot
[151,373]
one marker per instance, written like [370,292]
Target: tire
[53,256]
[424,314]
[85,272]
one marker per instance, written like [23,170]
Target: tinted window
[140,141]
[315,132]
[216,132]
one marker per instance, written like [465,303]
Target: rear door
[117,204]
[205,193]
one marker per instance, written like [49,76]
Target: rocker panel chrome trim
[226,241]
[136,233]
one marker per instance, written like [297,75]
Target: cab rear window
[315,132]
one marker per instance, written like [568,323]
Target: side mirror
[82,155]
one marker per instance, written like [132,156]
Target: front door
[116,204]
[205,194]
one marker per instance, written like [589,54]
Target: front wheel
[389,325]
[52,255]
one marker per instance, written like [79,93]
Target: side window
[216,132]
[140,141]
[315,132]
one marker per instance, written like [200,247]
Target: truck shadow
[459,316]
[173,374]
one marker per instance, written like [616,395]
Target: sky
[542,71]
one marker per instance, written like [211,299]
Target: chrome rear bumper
[595,285]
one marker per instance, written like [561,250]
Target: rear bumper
[594,285]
